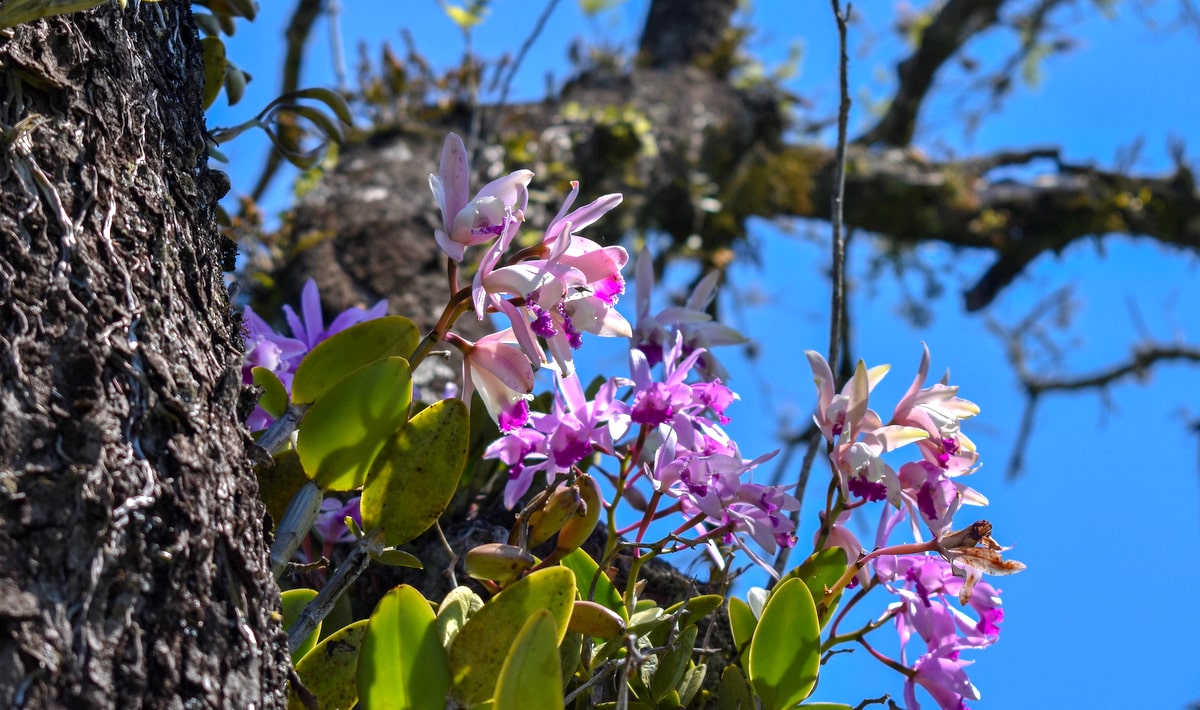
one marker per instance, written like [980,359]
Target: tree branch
[910,200]
[957,22]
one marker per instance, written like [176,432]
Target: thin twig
[810,455]
[839,192]
[838,301]
[334,11]
[437,525]
[298,30]
[490,127]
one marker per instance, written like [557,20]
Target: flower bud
[563,505]
[576,530]
[496,561]
[592,619]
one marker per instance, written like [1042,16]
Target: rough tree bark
[132,557]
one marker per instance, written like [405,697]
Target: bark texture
[132,557]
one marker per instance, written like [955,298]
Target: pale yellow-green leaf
[463,17]
[294,601]
[213,55]
[402,665]
[16,12]
[328,671]
[530,677]
[483,644]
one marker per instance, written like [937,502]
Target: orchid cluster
[557,290]
[657,434]
[664,430]
[927,492]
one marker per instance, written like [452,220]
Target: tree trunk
[132,558]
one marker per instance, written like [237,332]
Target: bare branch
[901,195]
[837,314]
[1057,306]
[957,22]
[1141,359]
[298,31]
[489,128]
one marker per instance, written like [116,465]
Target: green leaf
[698,607]
[478,654]
[402,663]
[213,54]
[785,653]
[399,558]
[741,622]
[645,620]
[342,433]
[819,572]
[16,12]
[335,101]
[458,606]
[329,671]
[274,399]
[416,474]
[673,664]
[693,681]
[294,601]
[735,692]
[530,677]
[345,352]
[569,653]
[586,569]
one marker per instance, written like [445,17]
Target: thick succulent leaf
[274,400]
[402,664]
[785,653]
[415,475]
[698,607]
[399,558]
[330,670]
[673,664]
[735,691]
[531,677]
[586,570]
[343,353]
[483,644]
[342,433]
[213,52]
[294,601]
[693,681]
[741,623]
[458,606]
[819,572]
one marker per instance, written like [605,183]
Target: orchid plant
[645,451]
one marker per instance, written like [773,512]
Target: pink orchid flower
[502,375]
[497,208]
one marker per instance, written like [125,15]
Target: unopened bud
[577,530]
[562,506]
[496,561]
[592,619]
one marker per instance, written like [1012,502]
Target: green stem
[912,548]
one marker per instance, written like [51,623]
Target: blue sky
[1108,511]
